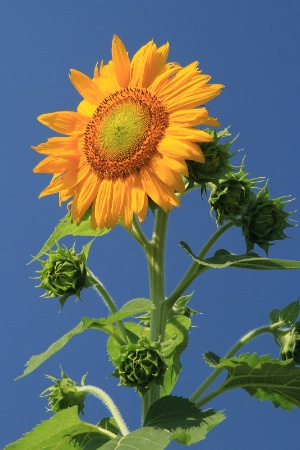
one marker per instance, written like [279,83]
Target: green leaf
[57,433]
[36,360]
[182,418]
[287,315]
[264,378]
[67,227]
[176,340]
[131,308]
[146,438]
[211,359]
[223,258]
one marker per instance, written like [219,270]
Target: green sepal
[264,378]
[223,258]
[68,227]
[286,316]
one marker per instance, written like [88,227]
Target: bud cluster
[64,273]
[64,393]
[140,365]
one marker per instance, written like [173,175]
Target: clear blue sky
[252,47]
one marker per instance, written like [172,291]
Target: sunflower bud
[140,365]
[290,344]
[216,163]
[230,198]
[64,273]
[264,221]
[64,394]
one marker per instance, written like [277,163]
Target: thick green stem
[106,399]
[209,380]
[155,258]
[107,300]
[195,269]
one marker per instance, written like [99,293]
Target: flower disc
[124,132]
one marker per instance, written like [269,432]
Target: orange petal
[158,191]
[58,145]
[54,164]
[65,122]
[174,148]
[121,62]
[163,172]
[84,196]
[86,87]
[189,134]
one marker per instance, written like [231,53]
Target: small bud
[140,365]
[230,198]
[216,163]
[64,273]
[64,393]
[290,344]
[264,221]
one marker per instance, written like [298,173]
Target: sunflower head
[64,273]
[129,140]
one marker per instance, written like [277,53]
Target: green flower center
[124,132]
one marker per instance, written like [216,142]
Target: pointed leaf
[68,227]
[57,433]
[131,308]
[176,340]
[264,378]
[211,359]
[36,360]
[287,315]
[181,417]
[223,258]
[146,438]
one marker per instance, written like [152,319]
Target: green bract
[216,164]
[264,220]
[64,393]
[140,365]
[290,344]
[231,196]
[64,273]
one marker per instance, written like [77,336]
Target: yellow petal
[84,196]
[86,87]
[174,148]
[54,164]
[58,145]
[165,174]
[189,134]
[157,190]
[65,122]
[121,62]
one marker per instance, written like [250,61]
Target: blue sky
[252,48]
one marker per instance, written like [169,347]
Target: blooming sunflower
[130,137]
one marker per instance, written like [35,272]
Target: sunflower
[130,137]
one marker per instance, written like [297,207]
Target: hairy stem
[106,399]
